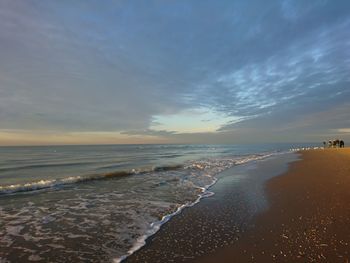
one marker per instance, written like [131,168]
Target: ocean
[100,203]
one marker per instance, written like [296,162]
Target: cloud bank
[272,70]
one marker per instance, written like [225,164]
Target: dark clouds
[112,66]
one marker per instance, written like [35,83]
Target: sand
[302,215]
[309,216]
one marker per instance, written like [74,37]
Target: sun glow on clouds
[344,130]
[191,121]
[28,137]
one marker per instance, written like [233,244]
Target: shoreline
[155,226]
[172,244]
[309,216]
[306,219]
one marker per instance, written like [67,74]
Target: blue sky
[174,71]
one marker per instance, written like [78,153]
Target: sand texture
[309,215]
[304,216]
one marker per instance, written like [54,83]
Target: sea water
[100,203]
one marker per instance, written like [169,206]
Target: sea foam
[213,166]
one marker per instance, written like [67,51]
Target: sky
[175,71]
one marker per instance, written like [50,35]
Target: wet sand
[216,222]
[309,216]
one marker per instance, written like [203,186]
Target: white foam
[155,226]
[215,166]
[26,187]
[305,149]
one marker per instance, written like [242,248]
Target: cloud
[344,130]
[309,76]
[61,75]
[117,66]
[150,132]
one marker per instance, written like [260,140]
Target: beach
[303,216]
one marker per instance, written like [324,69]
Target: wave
[171,155]
[52,183]
[218,164]
[191,180]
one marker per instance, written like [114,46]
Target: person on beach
[336,142]
[341,144]
[330,144]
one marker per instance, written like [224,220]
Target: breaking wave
[44,184]
[215,164]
